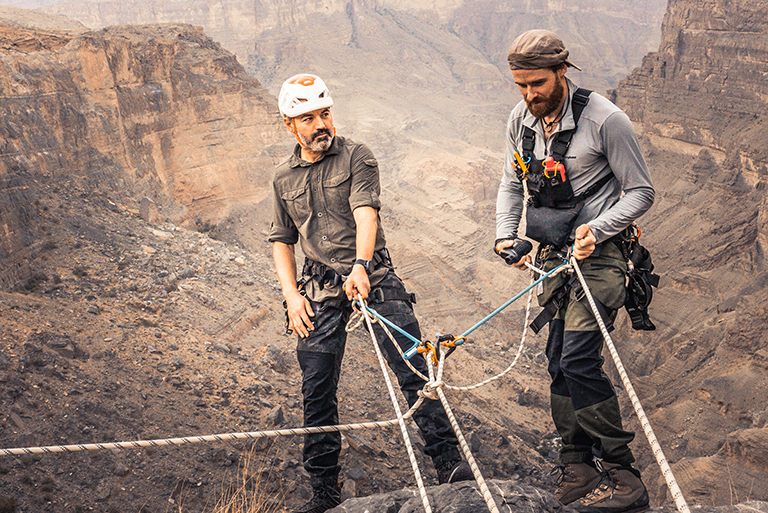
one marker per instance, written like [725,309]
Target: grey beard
[318,146]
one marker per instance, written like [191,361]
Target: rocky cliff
[160,112]
[701,103]
[129,112]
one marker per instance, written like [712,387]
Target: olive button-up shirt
[313,204]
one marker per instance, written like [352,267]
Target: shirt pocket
[337,188]
[297,204]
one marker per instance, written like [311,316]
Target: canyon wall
[701,102]
[158,111]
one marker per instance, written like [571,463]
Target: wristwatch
[365,263]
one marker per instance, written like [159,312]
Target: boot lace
[559,474]
[607,482]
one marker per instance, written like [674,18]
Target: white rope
[396,405]
[251,435]
[517,355]
[489,501]
[677,494]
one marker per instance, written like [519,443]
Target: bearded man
[579,158]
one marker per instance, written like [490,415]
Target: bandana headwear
[538,49]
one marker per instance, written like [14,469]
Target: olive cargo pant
[585,408]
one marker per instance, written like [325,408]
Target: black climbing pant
[585,408]
[320,357]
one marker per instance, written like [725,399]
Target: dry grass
[256,489]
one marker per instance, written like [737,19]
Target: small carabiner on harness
[522,165]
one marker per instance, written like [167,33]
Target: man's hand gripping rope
[423,347]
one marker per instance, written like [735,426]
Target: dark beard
[547,106]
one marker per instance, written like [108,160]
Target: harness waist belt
[327,276]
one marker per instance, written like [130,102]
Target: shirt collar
[567,123]
[297,161]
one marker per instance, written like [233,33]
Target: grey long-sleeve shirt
[605,142]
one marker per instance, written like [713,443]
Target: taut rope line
[400,420]
[677,494]
[251,435]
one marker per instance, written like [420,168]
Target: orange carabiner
[426,347]
[457,341]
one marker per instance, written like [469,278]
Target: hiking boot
[454,471]
[323,498]
[619,490]
[574,481]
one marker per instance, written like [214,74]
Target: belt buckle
[578,292]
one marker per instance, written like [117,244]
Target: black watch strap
[365,263]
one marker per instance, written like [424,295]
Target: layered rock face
[156,111]
[426,85]
[701,102]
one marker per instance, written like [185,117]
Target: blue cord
[502,307]
[416,342]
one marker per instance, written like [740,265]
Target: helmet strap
[296,133]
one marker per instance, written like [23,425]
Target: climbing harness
[639,283]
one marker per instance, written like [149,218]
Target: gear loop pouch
[551,226]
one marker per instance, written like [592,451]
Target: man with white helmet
[326,197]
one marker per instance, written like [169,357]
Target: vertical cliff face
[707,83]
[159,111]
[701,102]
[707,89]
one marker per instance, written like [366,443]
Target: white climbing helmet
[303,93]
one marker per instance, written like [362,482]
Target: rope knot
[356,318]
[430,390]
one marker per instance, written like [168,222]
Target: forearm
[285,265]
[628,209]
[509,208]
[366,221]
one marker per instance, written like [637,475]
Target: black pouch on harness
[550,226]
[640,279]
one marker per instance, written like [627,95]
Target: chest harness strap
[558,195]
